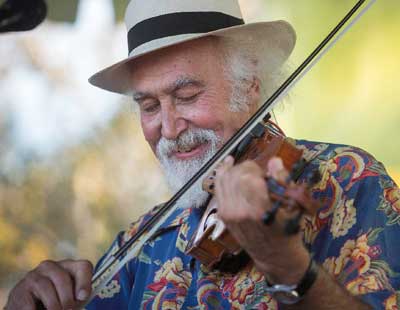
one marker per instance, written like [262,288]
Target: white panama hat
[156,24]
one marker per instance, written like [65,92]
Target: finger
[82,272]
[43,289]
[229,160]
[250,167]
[20,299]
[276,169]
[221,173]
[224,165]
[241,186]
[61,280]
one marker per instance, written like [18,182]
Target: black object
[178,23]
[269,216]
[21,15]
[291,294]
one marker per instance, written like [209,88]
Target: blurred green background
[69,194]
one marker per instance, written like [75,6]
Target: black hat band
[179,23]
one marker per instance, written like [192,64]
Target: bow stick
[114,262]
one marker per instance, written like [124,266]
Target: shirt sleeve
[353,235]
[116,293]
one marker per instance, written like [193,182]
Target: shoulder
[322,151]
[347,164]
[123,236]
[354,188]
[135,226]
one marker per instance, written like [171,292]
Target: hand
[242,196]
[57,285]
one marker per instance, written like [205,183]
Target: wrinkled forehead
[198,59]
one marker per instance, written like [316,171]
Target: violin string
[110,267]
[274,128]
[335,40]
[274,117]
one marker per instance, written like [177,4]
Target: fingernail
[83,295]
[227,159]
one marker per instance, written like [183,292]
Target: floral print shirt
[352,236]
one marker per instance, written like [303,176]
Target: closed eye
[188,98]
[149,106]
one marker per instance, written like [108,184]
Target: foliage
[73,203]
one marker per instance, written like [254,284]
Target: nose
[172,123]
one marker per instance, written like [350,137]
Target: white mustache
[187,139]
[178,172]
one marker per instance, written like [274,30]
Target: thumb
[81,271]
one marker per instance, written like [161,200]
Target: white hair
[178,172]
[242,66]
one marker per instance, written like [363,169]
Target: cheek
[206,118]
[150,131]
[218,117]
[208,113]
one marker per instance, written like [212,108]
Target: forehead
[199,59]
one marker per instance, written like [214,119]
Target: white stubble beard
[178,172]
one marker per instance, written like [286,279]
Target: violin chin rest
[232,263]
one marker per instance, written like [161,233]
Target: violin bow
[114,262]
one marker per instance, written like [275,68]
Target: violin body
[212,244]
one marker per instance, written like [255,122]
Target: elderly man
[197,73]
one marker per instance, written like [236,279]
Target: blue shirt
[352,236]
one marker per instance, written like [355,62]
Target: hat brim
[274,40]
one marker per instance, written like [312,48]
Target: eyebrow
[178,84]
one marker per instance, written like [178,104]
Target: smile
[189,152]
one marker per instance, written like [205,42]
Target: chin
[179,167]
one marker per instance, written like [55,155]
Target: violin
[270,143]
[212,244]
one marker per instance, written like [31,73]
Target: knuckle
[84,268]
[86,264]
[60,278]
[245,178]
[46,264]
[30,277]
[41,283]
[250,165]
